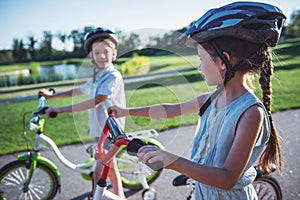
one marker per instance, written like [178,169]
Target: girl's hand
[119,112]
[52,109]
[153,154]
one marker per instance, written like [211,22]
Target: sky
[22,18]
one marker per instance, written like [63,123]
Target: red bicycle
[120,140]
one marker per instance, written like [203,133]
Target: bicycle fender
[44,161]
[153,141]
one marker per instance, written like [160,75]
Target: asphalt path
[179,141]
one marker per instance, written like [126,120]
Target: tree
[63,38]
[168,42]
[19,52]
[31,47]
[129,44]
[77,38]
[293,30]
[46,46]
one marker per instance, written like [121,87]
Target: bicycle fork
[32,159]
[32,162]
[102,182]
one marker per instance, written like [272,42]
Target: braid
[271,157]
[266,73]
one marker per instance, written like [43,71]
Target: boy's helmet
[96,34]
[251,21]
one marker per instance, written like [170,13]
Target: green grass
[72,128]
[173,62]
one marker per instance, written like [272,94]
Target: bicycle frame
[119,139]
[33,156]
[85,168]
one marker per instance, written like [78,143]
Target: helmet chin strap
[95,70]
[230,71]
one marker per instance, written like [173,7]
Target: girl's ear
[223,66]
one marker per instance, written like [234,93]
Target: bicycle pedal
[91,149]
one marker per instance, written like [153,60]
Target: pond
[47,74]
[64,71]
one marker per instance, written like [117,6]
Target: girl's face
[211,70]
[102,54]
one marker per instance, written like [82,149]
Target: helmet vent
[256,26]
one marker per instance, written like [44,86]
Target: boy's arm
[85,105]
[60,94]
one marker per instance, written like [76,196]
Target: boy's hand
[46,93]
[50,110]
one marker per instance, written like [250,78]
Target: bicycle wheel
[267,187]
[132,171]
[43,185]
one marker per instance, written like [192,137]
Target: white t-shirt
[108,81]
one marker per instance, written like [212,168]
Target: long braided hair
[253,59]
[271,156]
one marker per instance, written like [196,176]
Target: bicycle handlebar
[42,111]
[42,105]
[134,146]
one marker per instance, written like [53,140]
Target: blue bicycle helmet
[251,21]
[96,34]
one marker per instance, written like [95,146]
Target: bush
[137,65]
[34,68]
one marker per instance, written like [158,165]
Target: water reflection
[64,71]
[48,74]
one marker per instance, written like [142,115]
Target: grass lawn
[72,128]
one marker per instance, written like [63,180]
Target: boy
[106,88]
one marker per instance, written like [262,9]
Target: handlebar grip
[53,114]
[132,149]
[112,113]
[43,111]
[52,90]
[180,180]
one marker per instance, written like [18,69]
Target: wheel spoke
[43,184]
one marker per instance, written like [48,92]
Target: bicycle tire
[43,185]
[131,169]
[267,187]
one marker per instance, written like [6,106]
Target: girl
[235,127]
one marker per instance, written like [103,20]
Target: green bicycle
[32,176]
